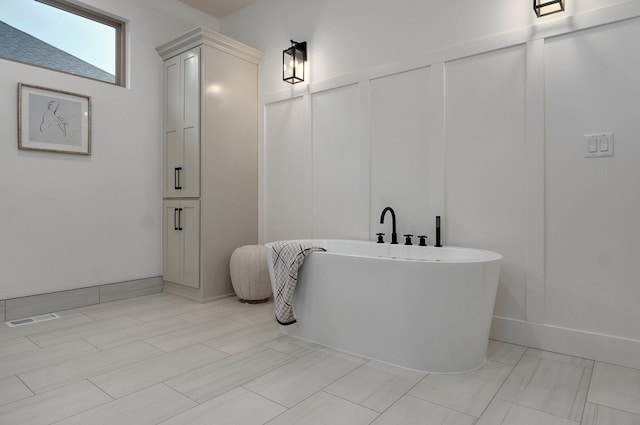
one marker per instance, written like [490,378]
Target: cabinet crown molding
[201,35]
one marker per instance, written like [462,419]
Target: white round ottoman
[250,274]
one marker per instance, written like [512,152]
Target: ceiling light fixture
[547,7]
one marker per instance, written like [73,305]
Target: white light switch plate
[603,143]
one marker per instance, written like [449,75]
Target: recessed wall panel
[592,205]
[400,153]
[340,166]
[286,162]
[485,196]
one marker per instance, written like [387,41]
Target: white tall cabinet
[210,160]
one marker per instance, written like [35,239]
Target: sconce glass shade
[293,62]
[547,7]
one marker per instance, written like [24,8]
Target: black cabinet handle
[177,219]
[176,178]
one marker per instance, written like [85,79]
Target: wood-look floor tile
[297,380]
[232,358]
[503,413]
[212,313]
[237,407]
[255,317]
[163,312]
[375,385]
[564,358]
[16,346]
[53,406]
[293,346]
[12,389]
[615,386]
[146,407]
[323,408]
[194,334]
[414,411]
[42,357]
[219,377]
[503,352]
[550,384]
[87,365]
[128,335]
[468,392]
[66,320]
[594,414]
[127,380]
[71,333]
[243,339]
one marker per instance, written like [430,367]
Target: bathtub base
[285,330]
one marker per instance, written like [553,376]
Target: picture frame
[53,120]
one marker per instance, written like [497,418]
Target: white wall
[476,113]
[350,36]
[68,221]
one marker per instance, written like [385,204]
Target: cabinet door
[190,228]
[172,243]
[182,126]
[181,242]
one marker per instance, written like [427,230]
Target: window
[63,36]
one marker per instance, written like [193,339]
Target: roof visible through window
[54,35]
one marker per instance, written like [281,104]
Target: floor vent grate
[33,319]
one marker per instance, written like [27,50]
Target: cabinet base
[191,293]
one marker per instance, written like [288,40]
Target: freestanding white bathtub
[423,308]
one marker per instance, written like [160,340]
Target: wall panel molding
[528,321]
[594,18]
[437,146]
[534,152]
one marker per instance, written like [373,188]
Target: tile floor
[160,359]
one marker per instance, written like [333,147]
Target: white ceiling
[218,8]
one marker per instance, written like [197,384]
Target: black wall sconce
[547,7]
[293,62]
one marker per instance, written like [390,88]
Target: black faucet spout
[394,236]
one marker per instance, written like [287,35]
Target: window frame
[101,17]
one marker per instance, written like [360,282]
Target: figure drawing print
[54,120]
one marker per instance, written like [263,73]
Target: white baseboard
[588,345]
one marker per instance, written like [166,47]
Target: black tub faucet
[394,236]
[438,244]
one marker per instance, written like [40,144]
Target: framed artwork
[53,120]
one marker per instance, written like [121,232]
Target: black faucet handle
[423,241]
[407,240]
[380,239]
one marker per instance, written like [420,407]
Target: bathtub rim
[485,255]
